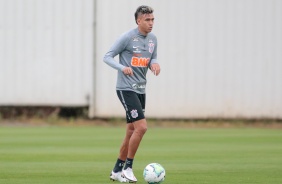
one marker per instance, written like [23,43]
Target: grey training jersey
[136,51]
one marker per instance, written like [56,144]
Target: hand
[155,68]
[127,71]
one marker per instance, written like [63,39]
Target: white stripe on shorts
[123,101]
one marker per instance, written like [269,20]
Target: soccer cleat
[118,177]
[128,174]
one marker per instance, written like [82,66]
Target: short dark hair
[143,9]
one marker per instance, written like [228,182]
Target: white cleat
[128,174]
[118,177]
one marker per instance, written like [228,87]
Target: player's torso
[140,49]
[137,55]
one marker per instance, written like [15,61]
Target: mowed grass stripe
[36,155]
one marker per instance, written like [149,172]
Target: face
[145,23]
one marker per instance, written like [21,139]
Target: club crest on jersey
[151,47]
[134,113]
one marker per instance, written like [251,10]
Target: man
[137,50]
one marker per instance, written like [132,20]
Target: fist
[127,71]
[155,68]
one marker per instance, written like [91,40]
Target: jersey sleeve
[116,49]
[155,53]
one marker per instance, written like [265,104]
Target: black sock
[119,165]
[128,163]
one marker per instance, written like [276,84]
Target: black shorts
[134,105]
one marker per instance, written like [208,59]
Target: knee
[142,129]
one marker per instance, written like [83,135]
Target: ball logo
[134,113]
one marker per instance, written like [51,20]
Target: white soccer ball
[154,173]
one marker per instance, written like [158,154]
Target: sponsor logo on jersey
[137,55]
[135,39]
[134,113]
[136,49]
[139,86]
[140,61]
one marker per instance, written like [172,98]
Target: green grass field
[68,155]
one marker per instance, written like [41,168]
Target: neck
[142,32]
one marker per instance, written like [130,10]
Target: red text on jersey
[140,61]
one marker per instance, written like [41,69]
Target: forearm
[111,62]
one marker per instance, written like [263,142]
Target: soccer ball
[154,173]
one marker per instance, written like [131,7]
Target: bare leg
[116,172]
[140,128]
[124,146]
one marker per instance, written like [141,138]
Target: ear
[138,21]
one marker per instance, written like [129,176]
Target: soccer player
[137,50]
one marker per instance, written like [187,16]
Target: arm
[116,49]
[154,65]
